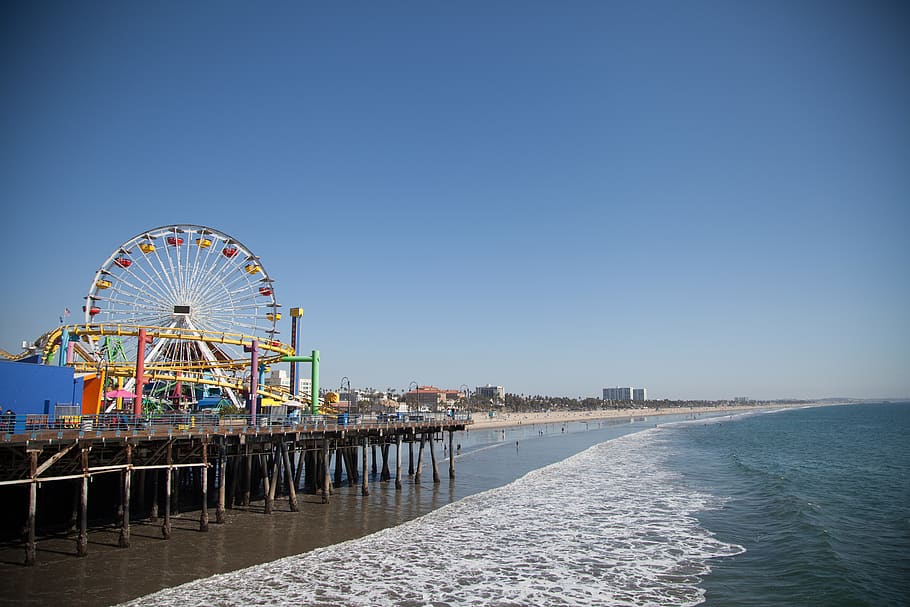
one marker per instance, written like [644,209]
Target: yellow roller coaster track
[183,371]
[235,339]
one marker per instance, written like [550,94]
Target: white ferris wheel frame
[181,276]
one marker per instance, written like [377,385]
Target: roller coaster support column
[253,349]
[64,349]
[140,371]
[314,390]
[314,361]
[296,314]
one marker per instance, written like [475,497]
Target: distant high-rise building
[304,387]
[619,393]
[640,394]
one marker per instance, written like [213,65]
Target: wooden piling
[364,489]
[204,480]
[31,546]
[338,451]
[82,538]
[247,478]
[419,461]
[292,492]
[124,541]
[385,475]
[222,483]
[451,454]
[433,458]
[350,464]
[298,469]
[411,456]
[266,485]
[168,481]
[153,513]
[276,468]
[398,463]
[175,491]
[374,460]
[325,470]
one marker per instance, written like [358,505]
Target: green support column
[314,396]
[314,362]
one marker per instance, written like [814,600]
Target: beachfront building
[622,394]
[431,397]
[640,394]
[488,391]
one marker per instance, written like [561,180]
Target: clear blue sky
[709,199]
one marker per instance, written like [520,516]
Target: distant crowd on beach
[500,420]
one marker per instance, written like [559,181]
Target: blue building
[34,389]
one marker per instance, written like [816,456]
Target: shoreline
[505,420]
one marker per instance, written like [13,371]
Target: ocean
[796,507]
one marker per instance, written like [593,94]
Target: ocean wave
[609,526]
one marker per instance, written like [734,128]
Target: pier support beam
[385,475]
[222,483]
[419,460]
[204,477]
[289,477]
[247,478]
[411,456]
[326,481]
[398,463]
[168,480]
[153,513]
[175,490]
[364,489]
[124,541]
[31,546]
[298,469]
[433,458]
[82,538]
[338,455]
[266,484]
[451,454]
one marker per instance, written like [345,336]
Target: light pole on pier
[340,388]
[417,389]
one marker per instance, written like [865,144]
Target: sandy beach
[502,420]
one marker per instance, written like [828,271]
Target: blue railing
[11,424]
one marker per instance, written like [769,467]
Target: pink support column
[254,379]
[140,373]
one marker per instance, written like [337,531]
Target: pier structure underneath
[241,462]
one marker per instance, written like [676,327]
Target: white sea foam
[609,526]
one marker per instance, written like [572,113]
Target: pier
[222,461]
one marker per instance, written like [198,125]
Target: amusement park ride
[178,315]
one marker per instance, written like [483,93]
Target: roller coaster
[181,307]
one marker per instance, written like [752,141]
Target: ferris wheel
[187,277]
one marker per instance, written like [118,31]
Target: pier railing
[167,423]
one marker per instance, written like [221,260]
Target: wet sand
[110,575]
[503,420]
